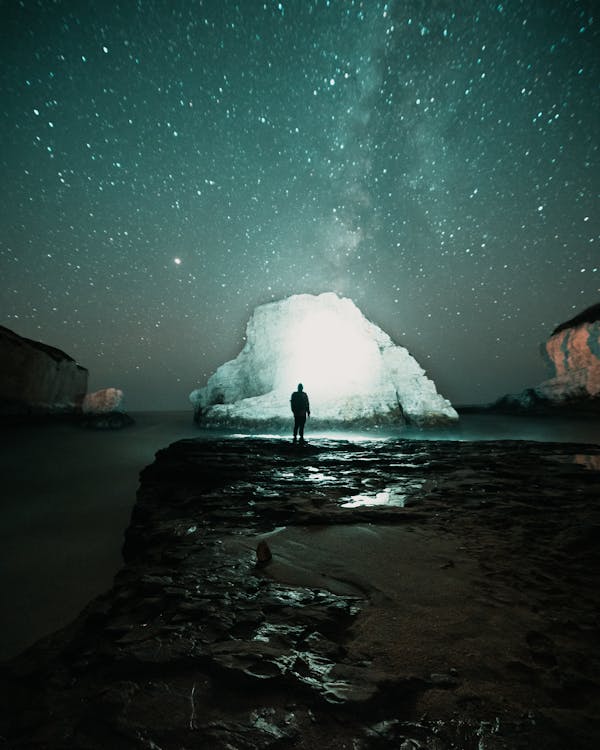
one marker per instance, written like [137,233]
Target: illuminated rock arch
[351,369]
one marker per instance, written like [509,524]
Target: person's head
[300,387]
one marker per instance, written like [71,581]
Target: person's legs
[296,423]
[302,422]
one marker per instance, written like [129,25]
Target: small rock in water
[263,553]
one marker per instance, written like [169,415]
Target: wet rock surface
[416,594]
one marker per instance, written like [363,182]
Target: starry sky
[168,165]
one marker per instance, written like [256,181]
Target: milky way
[167,166]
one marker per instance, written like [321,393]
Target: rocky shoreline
[420,594]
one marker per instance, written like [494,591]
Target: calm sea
[67,496]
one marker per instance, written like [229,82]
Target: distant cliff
[37,379]
[572,354]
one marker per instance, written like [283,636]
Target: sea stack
[572,354]
[353,372]
[103,410]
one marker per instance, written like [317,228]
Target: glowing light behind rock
[330,355]
[351,369]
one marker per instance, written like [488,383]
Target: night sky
[169,165]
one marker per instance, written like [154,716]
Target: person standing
[301,409]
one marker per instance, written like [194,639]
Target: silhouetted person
[301,408]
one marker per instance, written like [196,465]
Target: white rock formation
[352,371]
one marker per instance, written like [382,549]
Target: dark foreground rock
[419,595]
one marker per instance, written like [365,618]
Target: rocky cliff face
[36,378]
[572,354]
[352,371]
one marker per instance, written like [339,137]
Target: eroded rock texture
[351,369]
[36,378]
[419,595]
[572,354]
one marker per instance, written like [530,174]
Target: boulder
[263,553]
[103,401]
[37,379]
[103,410]
[352,371]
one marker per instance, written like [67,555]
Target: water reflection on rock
[423,595]
[390,496]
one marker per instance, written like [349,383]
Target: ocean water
[67,496]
